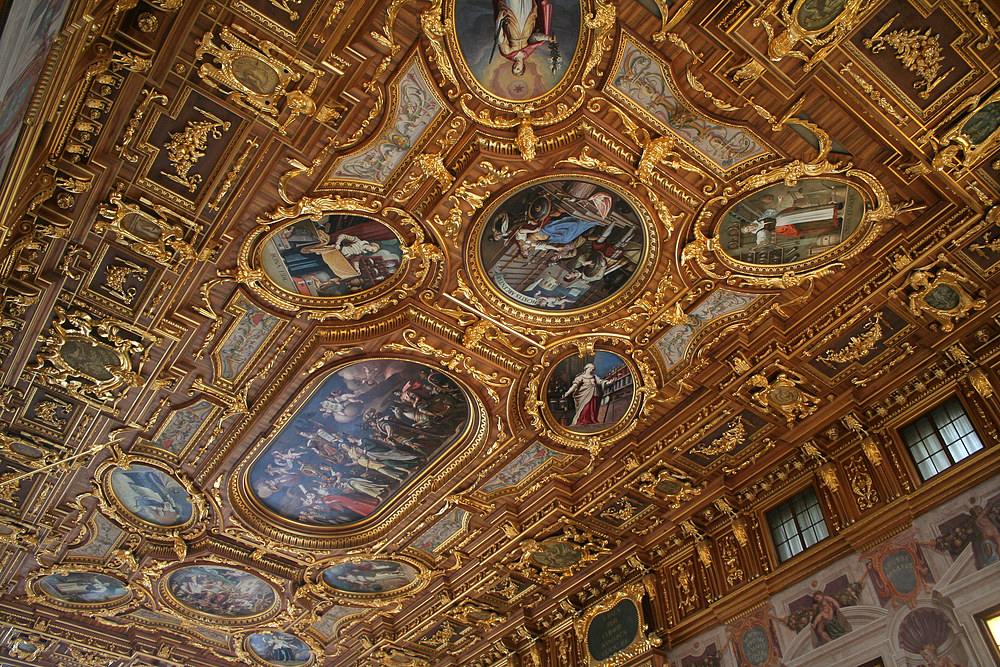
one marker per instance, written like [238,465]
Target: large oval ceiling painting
[339,255]
[518,49]
[784,224]
[562,245]
[223,593]
[370,576]
[366,430]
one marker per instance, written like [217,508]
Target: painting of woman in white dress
[590,393]
[340,255]
[784,224]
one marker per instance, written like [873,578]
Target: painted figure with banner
[520,27]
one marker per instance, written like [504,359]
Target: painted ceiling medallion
[83,589]
[279,649]
[223,595]
[517,50]
[784,224]
[366,430]
[562,245]
[151,496]
[341,254]
[590,393]
[370,576]
[814,15]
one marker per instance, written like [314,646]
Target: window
[941,438]
[797,524]
[989,623]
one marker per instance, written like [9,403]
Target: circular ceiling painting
[518,49]
[561,245]
[370,576]
[784,224]
[590,393]
[339,255]
[367,429]
[83,588]
[223,593]
[279,648]
[151,495]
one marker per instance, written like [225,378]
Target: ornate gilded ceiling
[475,332]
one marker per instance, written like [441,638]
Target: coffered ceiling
[426,333]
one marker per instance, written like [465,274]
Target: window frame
[925,414]
[992,644]
[789,500]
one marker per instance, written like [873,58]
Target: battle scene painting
[562,245]
[279,648]
[518,49]
[784,224]
[365,432]
[151,495]
[82,588]
[340,255]
[370,576]
[590,393]
[223,592]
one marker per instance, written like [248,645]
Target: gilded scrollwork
[782,394]
[465,192]
[818,25]
[640,643]
[550,560]
[938,293]
[95,360]
[147,229]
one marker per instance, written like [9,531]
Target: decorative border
[237,307]
[317,584]
[463,450]
[181,609]
[112,506]
[490,293]
[640,644]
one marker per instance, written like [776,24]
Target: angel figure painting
[518,49]
[784,224]
[590,393]
[367,430]
[562,245]
[223,592]
[369,576]
[337,256]
[151,495]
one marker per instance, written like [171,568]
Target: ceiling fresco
[499,333]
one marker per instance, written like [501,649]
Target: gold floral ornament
[147,230]
[817,24]
[973,138]
[783,395]
[939,294]
[258,78]
[919,52]
[94,360]
[665,483]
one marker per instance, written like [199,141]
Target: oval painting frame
[147,496]
[569,246]
[504,68]
[591,394]
[222,595]
[780,227]
[371,577]
[82,590]
[355,439]
[273,648]
[343,256]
